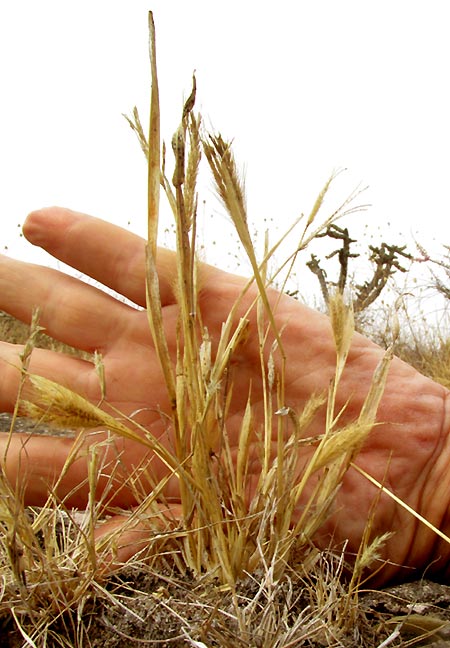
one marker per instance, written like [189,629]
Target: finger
[122,537]
[74,373]
[75,470]
[107,253]
[70,310]
[33,464]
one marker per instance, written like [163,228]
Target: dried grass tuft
[49,560]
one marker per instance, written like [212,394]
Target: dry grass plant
[428,350]
[49,561]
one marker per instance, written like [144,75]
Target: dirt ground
[150,609]
[143,607]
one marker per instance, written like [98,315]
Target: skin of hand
[408,451]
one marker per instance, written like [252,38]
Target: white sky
[303,87]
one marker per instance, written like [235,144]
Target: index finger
[109,254]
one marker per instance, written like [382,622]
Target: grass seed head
[59,405]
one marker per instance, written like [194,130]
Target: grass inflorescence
[50,563]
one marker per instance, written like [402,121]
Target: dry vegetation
[233,573]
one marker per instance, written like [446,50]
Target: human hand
[408,451]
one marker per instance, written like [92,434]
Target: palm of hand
[408,452]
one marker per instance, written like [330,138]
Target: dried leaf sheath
[154,309]
[154,164]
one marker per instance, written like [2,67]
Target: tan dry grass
[430,354]
[49,563]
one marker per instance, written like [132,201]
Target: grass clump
[50,563]
[228,536]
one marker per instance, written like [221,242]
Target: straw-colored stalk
[222,530]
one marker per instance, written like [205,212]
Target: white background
[303,88]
